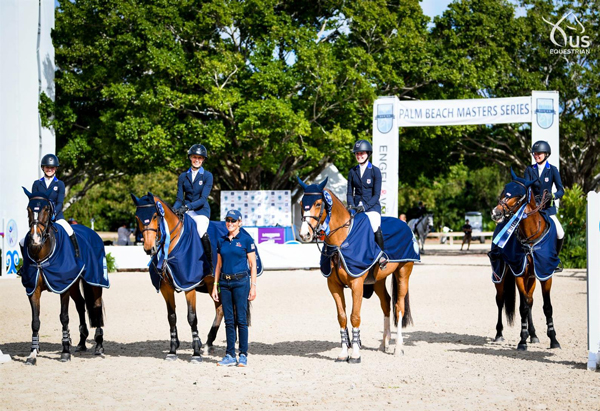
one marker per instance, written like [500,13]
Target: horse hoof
[534,340]
[31,361]
[196,359]
[555,345]
[522,347]
[80,348]
[210,350]
[99,351]
[342,359]
[171,357]
[399,352]
[354,360]
[499,339]
[65,356]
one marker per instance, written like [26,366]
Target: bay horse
[41,244]
[149,224]
[517,198]
[314,215]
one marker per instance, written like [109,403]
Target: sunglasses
[230,220]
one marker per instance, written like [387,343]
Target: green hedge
[572,215]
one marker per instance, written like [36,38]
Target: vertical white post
[385,151]
[593,278]
[4,255]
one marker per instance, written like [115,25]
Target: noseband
[46,226]
[304,218]
[508,212]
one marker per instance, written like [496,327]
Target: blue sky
[434,8]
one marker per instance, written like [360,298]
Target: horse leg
[80,305]
[356,286]
[385,300]
[402,315]
[168,293]
[337,292]
[34,301]
[97,319]
[190,297]
[500,304]
[212,334]
[533,338]
[546,286]
[64,320]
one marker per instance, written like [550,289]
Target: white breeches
[374,219]
[560,232]
[201,222]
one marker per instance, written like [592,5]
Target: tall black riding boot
[208,252]
[379,241]
[75,245]
[559,245]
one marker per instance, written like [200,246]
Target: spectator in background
[467,229]
[123,234]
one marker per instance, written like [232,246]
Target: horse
[421,227]
[151,212]
[518,204]
[42,251]
[320,204]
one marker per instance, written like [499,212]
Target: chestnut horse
[150,226]
[531,229]
[339,224]
[41,244]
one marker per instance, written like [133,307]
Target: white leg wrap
[387,334]
[356,343]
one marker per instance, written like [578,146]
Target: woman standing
[235,279]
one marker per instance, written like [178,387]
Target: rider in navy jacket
[544,180]
[193,189]
[364,191]
[49,164]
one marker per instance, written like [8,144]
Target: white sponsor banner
[259,207]
[385,151]
[593,278]
[463,112]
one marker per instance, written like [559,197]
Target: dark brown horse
[41,242]
[531,229]
[339,225]
[148,218]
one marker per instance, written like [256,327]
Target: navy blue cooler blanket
[187,263]
[514,255]
[61,269]
[359,252]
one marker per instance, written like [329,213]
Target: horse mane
[335,197]
[164,202]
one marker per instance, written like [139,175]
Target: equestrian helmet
[362,145]
[50,160]
[541,146]
[199,150]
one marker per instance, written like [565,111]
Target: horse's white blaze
[304,229]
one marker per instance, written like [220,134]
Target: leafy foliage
[111,266]
[572,215]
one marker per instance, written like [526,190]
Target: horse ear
[302,183]
[27,193]
[323,184]
[512,174]
[135,199]
[151,195]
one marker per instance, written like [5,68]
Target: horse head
[147,215]
[40,210]
[313,208]
[513,196]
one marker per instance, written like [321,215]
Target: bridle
[507,211]
[45,226]
[320,217]
[157,230]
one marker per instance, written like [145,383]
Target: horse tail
[407,317]
[509,296]
[95,314]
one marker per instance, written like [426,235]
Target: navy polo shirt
[234,253]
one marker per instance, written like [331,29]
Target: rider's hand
[360,209]
[182,210]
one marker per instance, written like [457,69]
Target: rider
[364,189]
[544,174]
[193,189]
[49,165]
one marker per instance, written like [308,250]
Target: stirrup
[383,262]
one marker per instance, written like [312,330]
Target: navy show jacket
[194,194]
[549,176]
[366,189]
[57,194]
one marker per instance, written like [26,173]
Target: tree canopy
[275,89]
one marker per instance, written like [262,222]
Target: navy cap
[235,214]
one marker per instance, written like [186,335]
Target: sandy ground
[449,361]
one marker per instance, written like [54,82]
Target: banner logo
[568,35]
[12,233]
[544,113]
[385,117]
